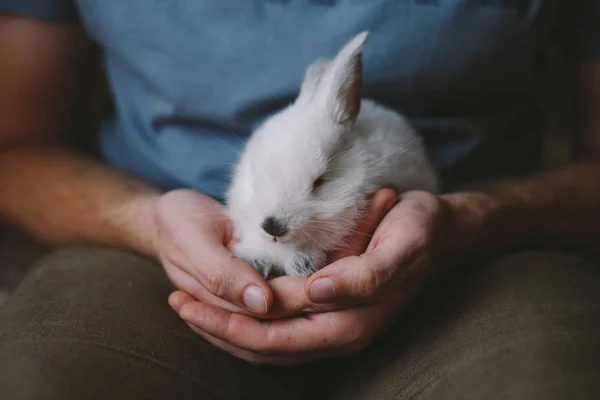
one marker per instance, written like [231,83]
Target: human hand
[400,253]
[192,243]
[348,312]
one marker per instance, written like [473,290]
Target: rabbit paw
[262,266]
[304,263]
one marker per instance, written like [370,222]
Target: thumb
[356,278]
[236,281]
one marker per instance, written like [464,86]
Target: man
[189,79]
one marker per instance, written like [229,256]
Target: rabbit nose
[274,227]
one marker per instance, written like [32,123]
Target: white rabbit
[305,176]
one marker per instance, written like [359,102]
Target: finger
[375,319]
[289,292]
[226,277]
[196,232]
[188,284]
[257,358]
[290,299]
[317,332]
[380,203]
[398,294]
[289,306]
[365,278]
[289,296]
[352,279]
[179,299]
[399,249]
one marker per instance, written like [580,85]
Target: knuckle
[261,348]
[367,286]
[266,346]
[420,239]
[423,200]
[373,278]
[218,282]
[427,205]
[236,333]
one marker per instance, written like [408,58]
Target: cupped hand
[400,253]
[357,301]
[192,242]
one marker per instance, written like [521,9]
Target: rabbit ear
[340,88]
[312,77]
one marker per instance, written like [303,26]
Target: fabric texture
[46,10]
[95,324]
[193,78]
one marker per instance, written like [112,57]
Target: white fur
[359,145]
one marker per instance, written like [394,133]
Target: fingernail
[172,303]
[255,299]
[322,290]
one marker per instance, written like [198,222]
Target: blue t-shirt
[191,78]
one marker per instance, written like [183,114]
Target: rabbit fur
[305,176]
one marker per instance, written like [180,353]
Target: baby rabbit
[304,179]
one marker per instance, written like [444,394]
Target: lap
[521,327]
[93,323]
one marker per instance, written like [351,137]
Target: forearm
[557,209]
[62,198]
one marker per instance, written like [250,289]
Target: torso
[192,78]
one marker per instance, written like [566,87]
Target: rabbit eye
[318,183]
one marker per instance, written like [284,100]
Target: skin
[64,198]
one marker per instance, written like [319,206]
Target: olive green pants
[95,324]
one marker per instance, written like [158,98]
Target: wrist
[473,225]
[141,231]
